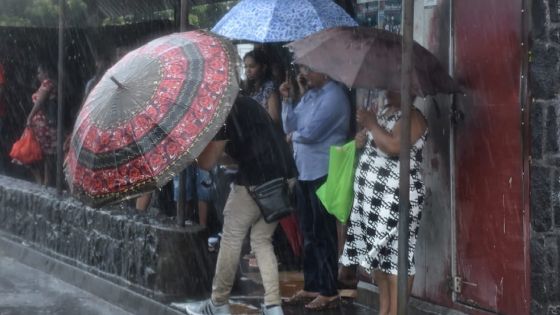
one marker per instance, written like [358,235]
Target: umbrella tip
[117,82]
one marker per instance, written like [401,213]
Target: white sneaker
[213,243]
[276,310]
[207,307]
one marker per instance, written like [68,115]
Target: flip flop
[321,306]
[298,299]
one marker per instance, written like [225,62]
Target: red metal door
[491,239]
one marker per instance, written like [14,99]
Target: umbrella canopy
[151,115]
[268,21]
[370,58]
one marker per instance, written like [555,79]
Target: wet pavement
[245,306]
[247,297]
[28,291]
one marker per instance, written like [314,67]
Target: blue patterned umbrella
[268,21]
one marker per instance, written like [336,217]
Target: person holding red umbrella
[251,138]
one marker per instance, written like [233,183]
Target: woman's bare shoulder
[418,120]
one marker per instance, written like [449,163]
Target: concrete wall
[147,254]
[545,167]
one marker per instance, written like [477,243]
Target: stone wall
[545,166]
[147,254]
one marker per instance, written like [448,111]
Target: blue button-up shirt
[320,120]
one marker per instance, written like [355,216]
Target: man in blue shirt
[320,120]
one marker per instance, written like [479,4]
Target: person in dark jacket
[250,138]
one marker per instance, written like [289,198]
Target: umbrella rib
[265,39]
[325,24]
[362,59]
[140,150]
[143,155]
[116,164]
[318,15]
[78,151]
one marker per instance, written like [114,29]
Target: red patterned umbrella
[150,116]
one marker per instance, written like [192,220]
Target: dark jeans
[320,264]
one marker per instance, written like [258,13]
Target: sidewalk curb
[124,298]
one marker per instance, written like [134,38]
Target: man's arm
[289,119]
[211,154]
[325,115]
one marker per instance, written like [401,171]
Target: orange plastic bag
[27,149]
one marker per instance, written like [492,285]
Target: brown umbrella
[370,58]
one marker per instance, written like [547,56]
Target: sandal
[300,298]
[322,303]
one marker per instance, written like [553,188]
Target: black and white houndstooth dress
[372,237]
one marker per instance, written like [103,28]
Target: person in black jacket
[258,146]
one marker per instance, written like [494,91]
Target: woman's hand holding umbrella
[361,138]
[289,91]
[366,118]
[284,90]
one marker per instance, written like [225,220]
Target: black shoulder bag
[273,196]
[273,199]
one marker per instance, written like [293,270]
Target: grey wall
[545,166]
[147,254]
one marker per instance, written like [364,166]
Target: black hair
[262,59]
[49,68]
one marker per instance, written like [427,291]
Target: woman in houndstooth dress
[372,237]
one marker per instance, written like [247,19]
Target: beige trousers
[241,213]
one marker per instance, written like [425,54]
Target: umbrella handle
[117,82]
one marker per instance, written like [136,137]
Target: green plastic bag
[337,193]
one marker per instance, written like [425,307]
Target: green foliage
[40,13]
[121,20]
[6,20]
[207,15]
[44,13]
